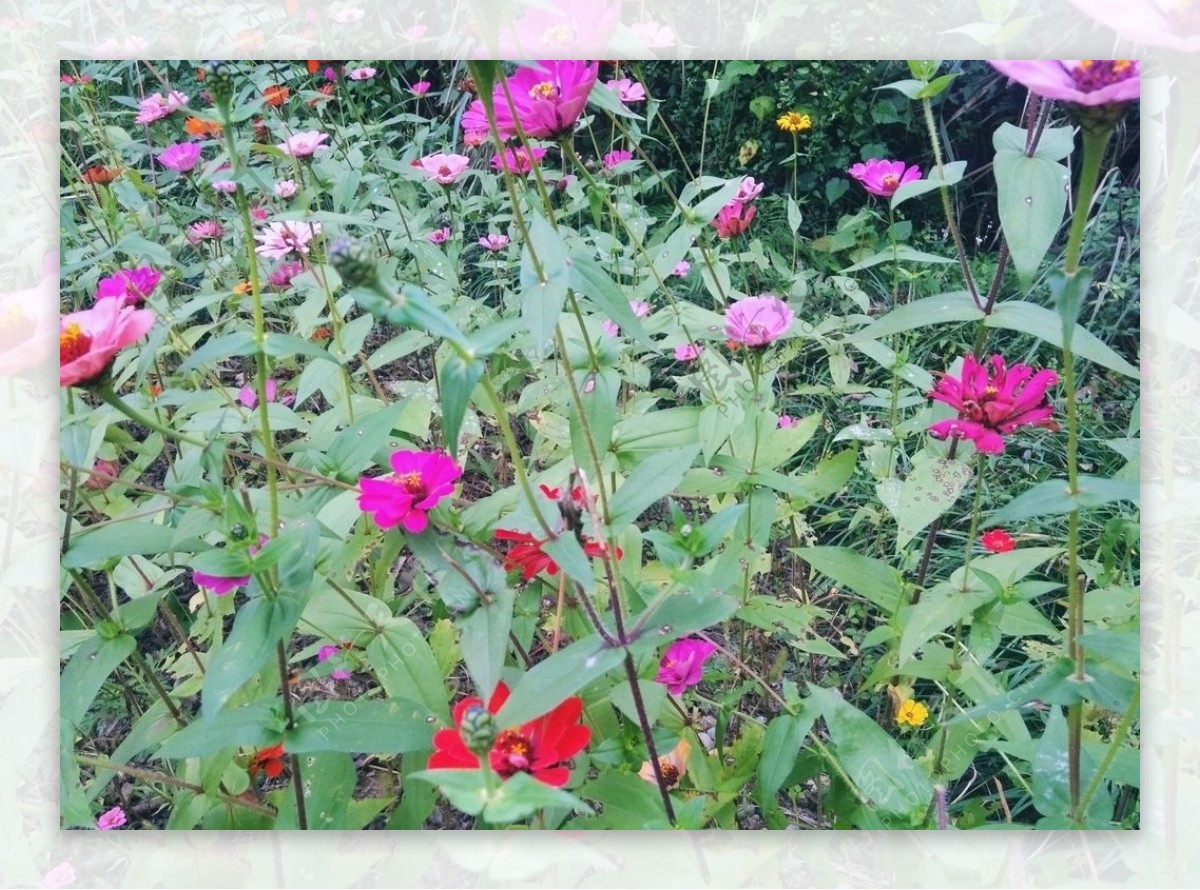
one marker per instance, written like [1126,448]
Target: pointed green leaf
[1032,197]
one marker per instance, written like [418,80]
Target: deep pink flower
[89,340]
[279,239]
[421,479]
[547,100]
[102,475]
[627,90]
[285,188]
[518,160]
[131,286]
[1077,81]
[786,421]
[302,145]
[493,242]
[114,818]
[283,274]
[259,214]
[1166,23]
[997,541]
[882,178]
[748,190]
[757,321]
[734,218]
[992,401]
[364,73]
[158,106]
[619,156]
[420,88]
[686,352]
[181,156]
[220,585]
[681,268]
[440,236]
[205,230]
[442,168]
[682,664]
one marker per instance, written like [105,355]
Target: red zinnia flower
[540,747]
[101,175]
[268,760]
[527,554]
[997,541]
[276,94]
[992,401]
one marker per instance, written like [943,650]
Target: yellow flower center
[412,483]
[543,90]
[890,181]
[516,752]
[72,343]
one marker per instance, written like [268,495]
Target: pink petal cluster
[364,73]
[158,106]
[640,308]
[518,160]
[1077,81]
[421,479]
[686,352]
[248,395]
[992,401]
[681,268]
[474,138]
[130,286]
[333,651]
[227,186]
[114,818]
[302,145]
[285,188]
[734,218]
[757,321]
[682,665]
[181,156]
[547,99]
[440,236]
[786,421]
[627,90]
[442,168]
[420,88]
[89,340]
[882,178]
[653,35]
[748,190]
[620,156]
[281,277]
[279,239]
[493,242]
[205,230]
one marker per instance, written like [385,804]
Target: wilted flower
[518,160]
[102,475]
[547,100]
[181,156]
[686,352]
[734,218]
[205,230]
[279,239]
[793,122]
[100,175]
[365,73]
[757,321]
[442,168]
[627,90]
[912,713]
[493,242]
[440,236]
[882,178]
[114,818]
[158,106]
[682,665]
[130,286]
[420,481]
[420,88]
[89,340]
[997,541]
[526,554]
[302,145]
[285,188]
[619,156]
[672,766]
[991,404]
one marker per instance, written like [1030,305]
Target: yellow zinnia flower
[793,122]
[912,712]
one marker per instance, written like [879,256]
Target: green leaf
[406,667]
[1049,779]
[1051,498]
[511,800]
[92,546]
[708,208]
[628,801]
[457,378]
[1055,143]
[878,766]
[569,556]
[675,615]
[543,296]
[485,640]
[654,695]
[953,173]
[911,88]
[929,491]
[589,278]
[237,343]
[256,725]
[866,576]
[1045,324]
[329,782]
[549,682]
[395,726]
[654,479]
[87,671]
[257,627]
[354,448]
[941,606]
[761,106]
[936,87]
[949,307]
[1068,293]
[902,254]
[785,735]
[1031,196]
[598,393]
[286,345]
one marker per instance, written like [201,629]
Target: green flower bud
[218,77]
[354,263]
[478,730]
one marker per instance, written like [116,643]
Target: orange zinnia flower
[198,126]
[101,175]
[276,94]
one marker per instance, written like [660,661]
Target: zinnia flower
[682,664]
[205,230]
[365,73]
[542,747]
[672,766]
[285,188]
[627,90]
[547,100]
[279,239]
[420,481]
[442,168]
[283,274]
[992,404]
[911,712]
[786,421]
[440,236]
[734,218]
[420,88]
[681,268]
[793,122]
[748,190]
[1077,81]
[619,156]
[130,286]
[248,395]
[334,651]
[640,308]
[181,156]
[200,128]
[302,145]
[158,106]
[757,321]
[268,760]
[276,94]
[100,175]
[997,541]
[526,554]
[518,160]
[686,352]
[493,242]
[114,818]
[89,340]
[882,178]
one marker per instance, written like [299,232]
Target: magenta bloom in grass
[882,178]
[442,168]
[303,145]
[440,236]
[114,818]
[682,664]
[992,401]
[181,156]
[757,321]
[518,160]
[420,481]
[130,286]
[734,218]
[1077,81]
[547,99]
[420,88]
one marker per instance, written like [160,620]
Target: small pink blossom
[420,88]
[259,214]
[627,90]
[283,274]
[640,308]
[786,421]
[365,73]
[279,239]
[414,33]
[442,168]
[748,190]
[518,160]
[882,178]
[285,188]
[619,156]
[734,219]
[158,106]
[302,145]
[220,585]
[440,236]
[1171,24]
[181,156]
[205,230]
[681,268]
[332,651]
[420,480]
[62,875]
[102,475]
[682,665]
[686,352]
[757,321]
[114,818]
[248,395]
[493,242]
[131,286]
[227,186]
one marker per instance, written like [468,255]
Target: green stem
[106,394]
[966,569]
[1094,143]
[951,223]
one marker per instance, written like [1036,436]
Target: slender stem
[1094,144]
[951,223]
[514,452]
[294,760]
[106,394]
[930,537]
[147,775]
[966,569]
[635,690]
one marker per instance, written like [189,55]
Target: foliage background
[36,34]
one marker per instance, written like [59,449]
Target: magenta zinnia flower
[518,160]
[114,818]
[682,664]
[1077,81]
[421,479]
[442,168]
[420,88]
[734,218]
[283,274]
[546,100]
[620,156]
[131,286]
[992,401]
[279,239]
[181,156]
[302,145]
[882,178]
[89,340]
[158,106]
[757,321]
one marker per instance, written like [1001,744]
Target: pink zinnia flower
[547,100]
[302,145]
[997,541]
[420,88]
[619,156]
[114,818]
[1167,23]
[279,239]
[518,160]
[334,651]
[181,156]
[158,106]
[992,401]
[365,73]
[89,340]
[681,268]
[686,352]
[440,236]
[205,230]
[734,218]
[1077,81]
[786,421]
[259,214]
[285,188]
[442,168]
[475,137]
[627,90]
[131,286]
[221,584]
[421,479]
[682,664]
[228,186]
[283,274]
[640,308]
[882,178]
[748,190]
[758,321]
[493,242]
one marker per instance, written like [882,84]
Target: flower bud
[353,262]
[478,730]
[218,77]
